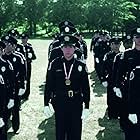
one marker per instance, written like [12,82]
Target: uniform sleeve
[49,84]
[122,70]
[10,81]
[33,54]
[133,94]
[104,69]
[85,87]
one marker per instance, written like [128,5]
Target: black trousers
[68,121]
[3,130]
[27,91]
[113,103]
[15,111]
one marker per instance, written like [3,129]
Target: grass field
[34,125]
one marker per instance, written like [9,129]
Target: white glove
[1,122]
[85,114]
[21,91]
[25,84]
[97,60]
[75,55]
[118,93]
[10,104]
[48,111]
[29,55]
[133,118]
[105,84]
[114,89]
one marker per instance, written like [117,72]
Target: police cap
[13,32]
[68,40]
[115,40]
[66,23]
[9,39]
[24,36]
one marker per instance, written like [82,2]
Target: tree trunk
[30,28]
[34,28]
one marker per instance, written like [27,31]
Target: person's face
[9,48]
[68,51]
[24,40]
[137,40]
[115,47]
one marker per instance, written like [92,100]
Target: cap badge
[79,68]
[66,23]
[138,30]
[66,38]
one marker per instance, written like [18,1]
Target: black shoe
[16,131]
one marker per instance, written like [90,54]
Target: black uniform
[100,49]
[128,61]
[19,76]
[67,99]
[7,88]
[134,103]
[30,56]
[107,70]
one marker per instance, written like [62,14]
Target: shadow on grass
[42,88]
[98,88]
[48,128]
[111,129]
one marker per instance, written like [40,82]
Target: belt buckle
[70,93]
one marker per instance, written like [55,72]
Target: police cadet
[106,78]
[15,34]
[65,27]
[67,88]
[30,56]
[7,92]
[83,46]
[133,132]
[127,41]
[101,47]
[128,61]
[19,76]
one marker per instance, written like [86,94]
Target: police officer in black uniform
[19,76]
[30,56]
[7,88]
[128,61]
[106,77]
[68,88]
[133,105]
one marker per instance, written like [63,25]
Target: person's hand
[85,114]
[118,92]
[105,84]
[10,104]
[48,111]
[97,60]
[133,118]
[21,91]
[1,122]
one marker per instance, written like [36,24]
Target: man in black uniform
[30,56]
[19,76]
[67,88]
[133,132]
[7,92]
[106,77]
[128,61]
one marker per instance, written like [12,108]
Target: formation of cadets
[119,71]
[67,90]
[15,73]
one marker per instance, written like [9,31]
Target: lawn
[34,125]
